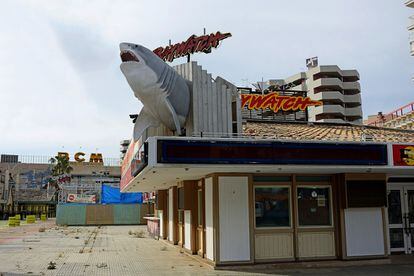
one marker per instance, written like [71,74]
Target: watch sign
[403,155]
[276,102]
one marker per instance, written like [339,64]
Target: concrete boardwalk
[112,250]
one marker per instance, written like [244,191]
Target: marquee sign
[403,155]
[94,157]
[193,45]
[276,102]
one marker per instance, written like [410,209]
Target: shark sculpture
[163,92]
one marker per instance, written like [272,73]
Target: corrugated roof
[326,132]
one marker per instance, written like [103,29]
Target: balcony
[335,121]
[356,98]
[410,3]
[329,82]
[411,23]
[331,109]
[412,48]
[350,75]
[353,86]
[328,95]
[353,112]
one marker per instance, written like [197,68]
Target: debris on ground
[101,265]
[137,234]
[52,265]
[25,240]
[76,237]
[42,229]
[164,248]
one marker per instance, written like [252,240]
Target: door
[401,218]
[200,233]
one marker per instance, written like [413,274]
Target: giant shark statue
[163,92]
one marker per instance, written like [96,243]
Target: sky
[61,88]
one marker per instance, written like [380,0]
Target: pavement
[128,250]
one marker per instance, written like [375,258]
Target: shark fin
[144,121]
[175,117]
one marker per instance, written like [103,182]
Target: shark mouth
[128,56]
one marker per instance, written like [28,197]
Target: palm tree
[60,167]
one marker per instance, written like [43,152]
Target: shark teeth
[128,56]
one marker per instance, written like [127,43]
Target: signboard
[276,102]
[274,152]
[131,160]
[93,158]
[81,198]
[403,155]
[194,44]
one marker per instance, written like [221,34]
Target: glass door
[395,220]
[409,219]
[401,219]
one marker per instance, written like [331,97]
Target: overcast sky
[61,87]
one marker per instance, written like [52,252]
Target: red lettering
[159,51]
[192,45]
[288,104]
[245,98]
[256,101]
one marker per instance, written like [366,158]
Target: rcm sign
[79,157]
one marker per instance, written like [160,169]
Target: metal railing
[44,159]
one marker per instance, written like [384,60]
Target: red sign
[403,155]
[277,102]
[193,45]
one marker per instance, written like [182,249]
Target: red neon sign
[193,45]
[276,102]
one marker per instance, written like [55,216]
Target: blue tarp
[113,195]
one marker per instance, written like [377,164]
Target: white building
[338,89]
[410,4]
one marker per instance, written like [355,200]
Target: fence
[44,159]
[98,214]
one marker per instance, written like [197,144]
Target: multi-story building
[24,182]
[401,118]
[338,89]
[124,147]
[410,4]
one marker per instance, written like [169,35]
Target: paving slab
[114,250]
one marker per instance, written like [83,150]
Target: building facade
[410,4]
[401,118]
[25,189]
[338,89]
[236,191]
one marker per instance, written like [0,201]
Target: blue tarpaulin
[114,195]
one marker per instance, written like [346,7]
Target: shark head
[140,67]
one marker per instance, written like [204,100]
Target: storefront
[251,201]
[238,191]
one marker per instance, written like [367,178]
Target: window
[314,206]
[272,205]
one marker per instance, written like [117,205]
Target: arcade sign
[93,158]
[403,155]
[276,102]
[193,44]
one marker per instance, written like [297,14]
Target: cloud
[61,84]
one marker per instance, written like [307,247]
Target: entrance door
[401,218]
